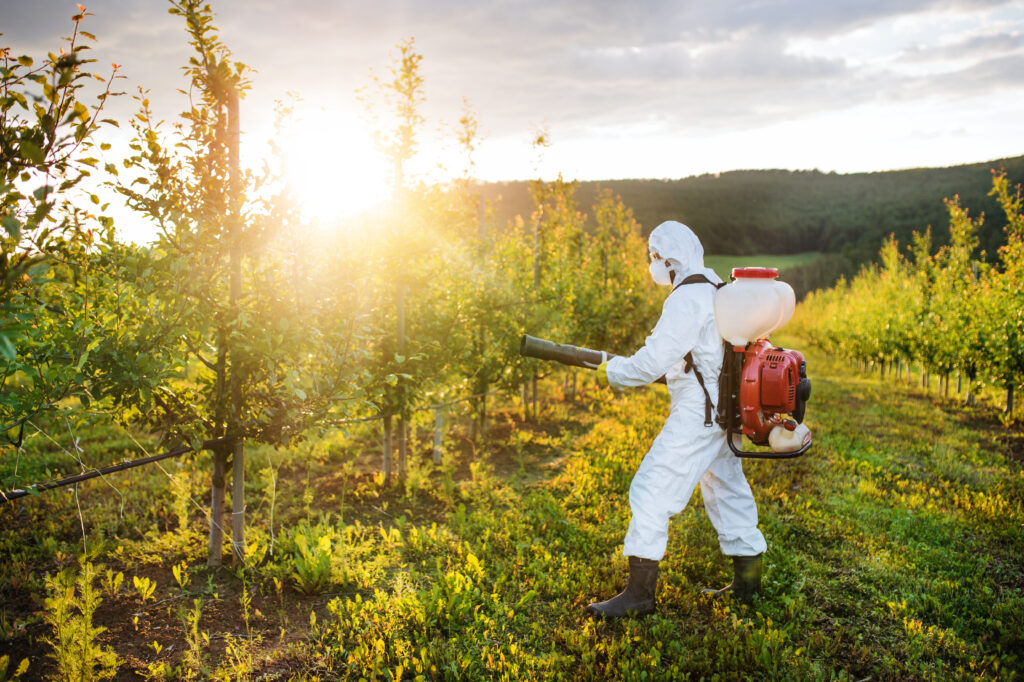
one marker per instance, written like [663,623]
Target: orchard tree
[49,320]
[617,304]
[947,311]
[394,105]
[958,299]
[1004,310]
[243,354]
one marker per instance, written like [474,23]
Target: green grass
[723,265]
[894,553]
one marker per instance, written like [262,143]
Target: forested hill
[779,211]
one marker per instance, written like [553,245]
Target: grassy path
[894,553]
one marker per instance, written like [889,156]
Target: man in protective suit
[690,448]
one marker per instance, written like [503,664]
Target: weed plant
[70,608]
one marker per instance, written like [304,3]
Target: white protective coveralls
[686,451]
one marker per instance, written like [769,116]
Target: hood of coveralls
[678,245]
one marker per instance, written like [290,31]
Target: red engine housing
[772,383]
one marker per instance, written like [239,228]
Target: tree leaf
[7,350]
[31,151]
[12,225]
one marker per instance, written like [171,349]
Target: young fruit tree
[244,351]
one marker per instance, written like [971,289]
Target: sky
[655,89]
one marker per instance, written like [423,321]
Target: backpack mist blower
[758,385]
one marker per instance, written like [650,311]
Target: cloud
[986,76]
[983,45]
[587,67]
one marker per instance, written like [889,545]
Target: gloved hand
[602,370]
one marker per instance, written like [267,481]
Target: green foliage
[144,587]
[313,559]
[396,108]
[111,582]
[194,662]
[70,608]
[948,312]
[7,674]
[748,212]
[48,325]
[223,333]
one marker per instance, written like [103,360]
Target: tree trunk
[220,457]
[483,412]
[959,382]
[1009,400]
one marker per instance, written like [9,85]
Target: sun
[332,164]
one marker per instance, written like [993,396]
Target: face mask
[660,274]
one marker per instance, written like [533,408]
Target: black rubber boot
[746,581]
[638,599]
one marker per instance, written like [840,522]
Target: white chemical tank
[753,306]
[789,436]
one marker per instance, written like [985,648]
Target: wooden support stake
[403,417]
[238,502]
[386,455]
[438,433]
[536,417]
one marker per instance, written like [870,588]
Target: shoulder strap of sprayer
[688,358]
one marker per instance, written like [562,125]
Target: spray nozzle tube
[532,347]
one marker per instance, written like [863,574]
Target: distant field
[723,265]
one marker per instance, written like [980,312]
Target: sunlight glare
[334,168]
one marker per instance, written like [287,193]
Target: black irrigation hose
[96,473]
[36,488]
